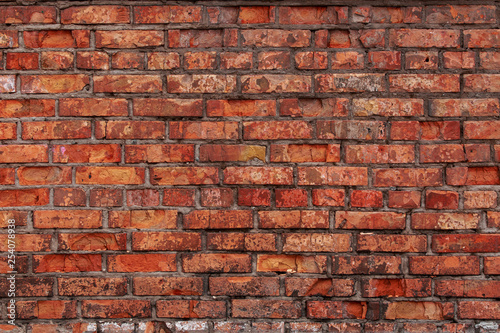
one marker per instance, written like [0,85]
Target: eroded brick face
[266,167]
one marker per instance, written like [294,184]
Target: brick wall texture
[248,166]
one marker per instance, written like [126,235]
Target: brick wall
[237,166]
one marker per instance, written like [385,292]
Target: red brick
[216,263]
[305,153]
[91,286]
[392,243]
[460,14]
[127,60]
[434,265]
[191,309]
[424,38]
[302,107]
[21,264]
[65,219]
[143,198]
[311,60]
[459,60]
[54,130]
[444,221]
[216,197]
[106,197]
[200,60]
[163,60]
[109,175]
[407,177]
[8,131]
[22,61]
[143,219]
[236,60]
[29,287]
[296,219]
[421,60]
[92,242]
[124,129]
[122,308]
[369,220]
[291,263]
[275,83]
[28,14]
[103,153]
[47,309]
[56,39]
[57,60]
[251,308]
[328,197]
[195,38]
[335,83]
[442,153]
[276,38]
[92,60]
[350,130]
[153,107]
[379,154]
[419,310]
[366,198]
[184,175]
[223,14]
[277,130]
[472,176]
[478,310]
[53,84]
[386,60]
[91,107]
[258,175]
[480,199]
[347,60]
[127,84]
[347,327]
[27,108]
[318,287]
[218,219]
[151,262]
[312,15]
[492,265]
[178,197]
[227,153]
[424,83]
[44,175]
[301,242]
[477,152]
[342,310]
[256,14]
[127,39]
[404,199]
[396,287]
[20,217]
[441,200]
[273,60]
[332,176]
[489,60]
[483,38]
[224,130]
[95,15]
[23,153]
[244,286]
[65,263]
[167,286]
[254,197]
[465,243]
[201,84]
[159,153]
[29,197]
[167,14]
[482,83]
[27,242]
[346,265]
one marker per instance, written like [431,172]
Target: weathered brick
[464,107]
[184,175]
[216,263]
[342,310]
[312,107]
[419,310]
[254,197]
[366,198]
[102,153]
[424,83]
[312,15]
[44,175]
[396,287]
[167,14]
[46,309]
[127,60]
[163,60]
[478,310]
[316,242]
[369,220]
[380,154]
[275,83]
[52,84]
[95,15]
[109,175]
[346,265]
[298,153]
[151,262]
[22,61]
[452,265]
[218,219]
[331,83]
[126,39]
[91,286]
[228,153]
[27,14]
[27,242]
[123,308]
[460,14]
[65,263]
[191,309]
[444,221]
[143,219]
[127,84]
[276,38]
[296,219]
[332,176]
[64,219]
[291,263]
[483,38]
[351,130]
[236,60]
[472,176]
[28,197]
[482,83]
[480,199]
[392,243]
[311,60]
[92,242]
[92,60]
[465,243]
[201,83]
[167,286]
[407,177]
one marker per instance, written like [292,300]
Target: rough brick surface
[250,166]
